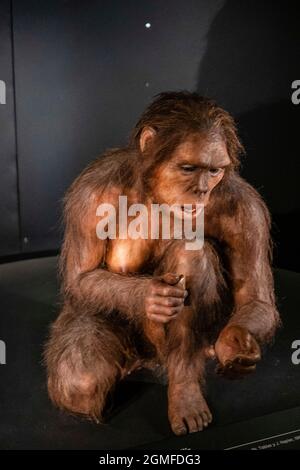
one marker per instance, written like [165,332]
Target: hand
[237,351]
[164,298]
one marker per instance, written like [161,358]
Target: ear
[147,135]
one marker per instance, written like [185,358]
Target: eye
[188,168]
[215,171]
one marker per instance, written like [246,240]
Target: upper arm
[82,250]
[246,234]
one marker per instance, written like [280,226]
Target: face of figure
[192,172]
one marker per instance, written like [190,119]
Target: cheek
[215,181]
[166,187]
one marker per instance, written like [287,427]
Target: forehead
[202,150]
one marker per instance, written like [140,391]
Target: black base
[247,410]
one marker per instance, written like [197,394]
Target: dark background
[78,74]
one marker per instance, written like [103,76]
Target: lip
[189,211]
[192,209]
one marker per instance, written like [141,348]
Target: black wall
[9,213]
[84,71]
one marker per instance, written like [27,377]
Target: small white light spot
[148,25]
[25,240]
[147,84]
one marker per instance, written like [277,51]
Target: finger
[255,349]
[246,359]
[245,342]
[170,278]
[168,291]
[235,371]
[248,343]
[167,301]
[235,354]
[236,367]
[162,310]
[160,318]
[210,352]
[226,370]
[181,281]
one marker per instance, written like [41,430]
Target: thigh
[209,301]
[82,342]
[173,255]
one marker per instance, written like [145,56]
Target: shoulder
[104,178]
[240,206]
[112,168]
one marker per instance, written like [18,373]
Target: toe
[209,416]
[178,427]
[191,424]
[205,419]
[199,422]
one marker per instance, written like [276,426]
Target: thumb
[170,278]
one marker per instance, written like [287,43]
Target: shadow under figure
[131,303]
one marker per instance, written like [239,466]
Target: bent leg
[188,336]
[84,359]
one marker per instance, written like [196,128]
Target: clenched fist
[164,298]
[237,351]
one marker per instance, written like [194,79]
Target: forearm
[260,318]
[102,290]
[253,292]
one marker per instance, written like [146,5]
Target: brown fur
[106,328]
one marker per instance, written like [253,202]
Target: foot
[188,410]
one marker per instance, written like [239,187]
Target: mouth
[192,209]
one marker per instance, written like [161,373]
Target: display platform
[277,431]
[258,411]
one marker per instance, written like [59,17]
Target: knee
[85,384]
[80,392]
[64,381]
[202,270]
[187,262]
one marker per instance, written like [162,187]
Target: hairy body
[125,304]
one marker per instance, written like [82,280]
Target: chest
[128,256]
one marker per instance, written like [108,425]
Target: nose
[201,189]
[202,186]
[200,192]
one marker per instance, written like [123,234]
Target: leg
[188,336]
[84,359]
